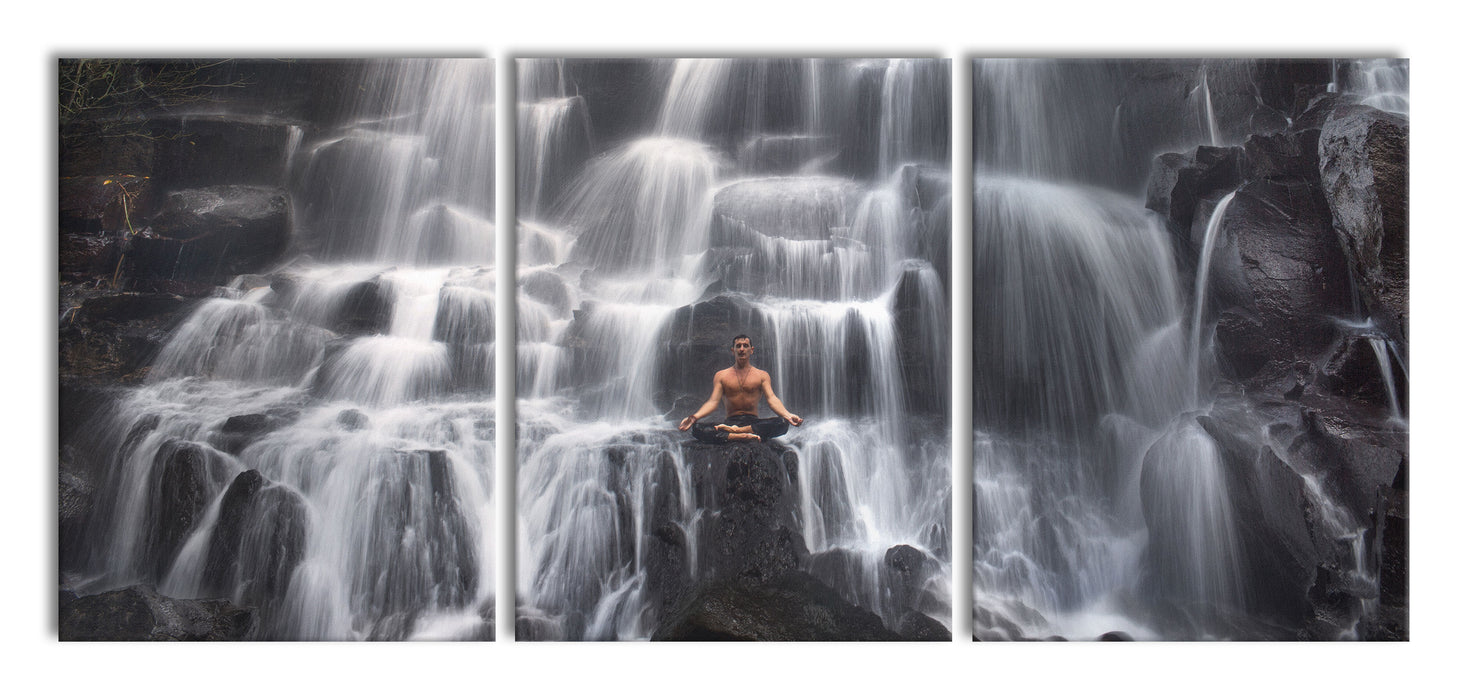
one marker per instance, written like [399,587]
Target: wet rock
[1277,264]
[696,343]
[1273,526]
[792,607]
[1353,371]
[548,288]
[1283,156]
[1363,170]
[622,95]
[1115,636]
[465,316]
[750,490]
[238,432]
[352,420]
[76,497]
[1180,181]
[791,208]
[214,233]
[366,309]
[139,613]
[920,319]
[186,479]
[257,542]
[110,338]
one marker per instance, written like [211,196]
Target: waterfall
[794,192]
[322,448]
[1205,263]
[1092,479]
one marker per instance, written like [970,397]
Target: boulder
[791,208]
[213,233]
[1363,170]
[257,542]
[139,614]
[1278,265]
[749,488]
[1273,522]
[366,309]
[791,607]
[185,479]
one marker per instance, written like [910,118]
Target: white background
[34,662]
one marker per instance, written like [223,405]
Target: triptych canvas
[748,352]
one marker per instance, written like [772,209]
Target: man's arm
[707,407]
[776,405]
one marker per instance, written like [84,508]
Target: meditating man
[740,387]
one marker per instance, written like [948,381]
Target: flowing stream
[798,191]
[320,444]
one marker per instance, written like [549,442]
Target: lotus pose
[740,387]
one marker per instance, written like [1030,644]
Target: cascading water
[1116,458]
[320,445]
[806,194]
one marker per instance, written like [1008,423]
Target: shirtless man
[740,387]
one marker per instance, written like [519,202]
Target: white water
[373,516]
[814,250]
[1102,497]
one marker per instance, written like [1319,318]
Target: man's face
[743,349]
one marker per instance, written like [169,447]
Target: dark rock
[1363,169]
[223,150]
[139,613]
[1293,155]
[1389,531]
[792,607]
[548,288]
[88,257]
[95,203]
[1179,182]
[622,95]
[1280,81]
[352,420]
[257,542]
[238,432]
[1115,636]
[990,626]
[1272,523]
[1354,371]
[920,320]
[186,479]
[107,147]
[110,338]
[1277,263]
[917,627]
[214,233]
[750,490]
[696,343]
[365,309]
[76,497]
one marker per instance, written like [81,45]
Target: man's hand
[794,419]
[687,423]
